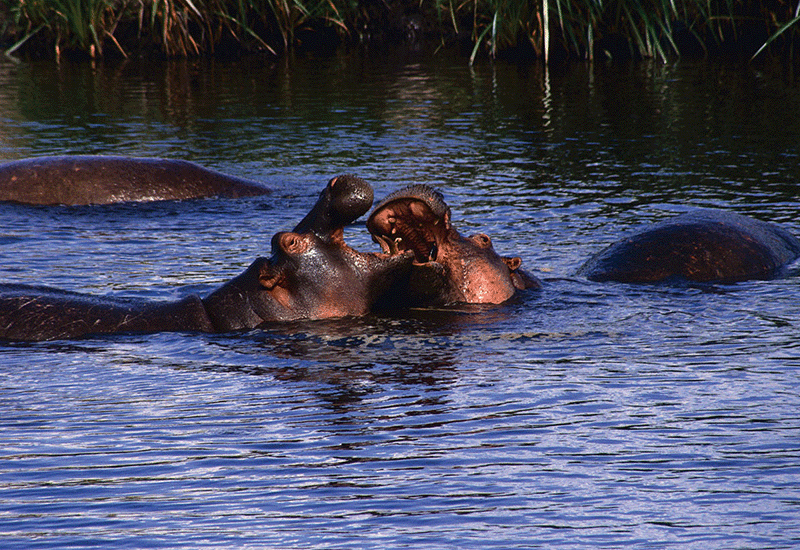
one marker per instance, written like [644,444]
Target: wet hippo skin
[311,274]
[705,245]
[89,179]
[448,267]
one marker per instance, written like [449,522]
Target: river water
[585,415]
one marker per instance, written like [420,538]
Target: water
[586,415]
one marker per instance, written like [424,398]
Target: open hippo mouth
[415,218]
[450,268]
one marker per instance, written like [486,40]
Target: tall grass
[648,27]
[84,24]
[175,27]
[575,28]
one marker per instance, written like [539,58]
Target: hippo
[312,274]
[705,245]
[90,179]
[448,267]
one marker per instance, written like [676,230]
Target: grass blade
[779,32]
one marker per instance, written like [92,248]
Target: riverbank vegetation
[544,29]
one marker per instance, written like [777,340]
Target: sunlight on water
[584,415]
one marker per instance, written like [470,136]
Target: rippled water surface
[585,415]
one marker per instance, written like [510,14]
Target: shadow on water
[360,355]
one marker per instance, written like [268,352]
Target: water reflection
[634,130]
[414,347]
[586,414]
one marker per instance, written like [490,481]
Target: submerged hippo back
[29,312]
[704,245]
[87,179]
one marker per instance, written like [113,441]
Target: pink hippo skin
[448,268]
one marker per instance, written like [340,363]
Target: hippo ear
[268,277]
[513,263]
[520,278]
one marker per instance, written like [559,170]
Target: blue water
[585,415]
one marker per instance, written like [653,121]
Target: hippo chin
[89,179]
[447,267]
[311,274]
[702,246]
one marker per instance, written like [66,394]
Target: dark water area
[584,415]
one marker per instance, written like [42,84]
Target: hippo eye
[482,240]
[292,243]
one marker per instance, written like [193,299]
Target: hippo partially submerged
[448,267]
[91,179]
[703,246]
[312,274]
[425,261]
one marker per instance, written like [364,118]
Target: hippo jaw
[410,224]
[311,278]
[344,199]
[447,266]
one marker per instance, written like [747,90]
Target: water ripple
[583,415]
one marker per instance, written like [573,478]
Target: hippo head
[312,273]
[310,277]
[447,266]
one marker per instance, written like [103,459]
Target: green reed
[575,28]
[176,27]
[81,24]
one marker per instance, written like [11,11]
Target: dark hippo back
[43,313]
[88,179]
[703,245]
